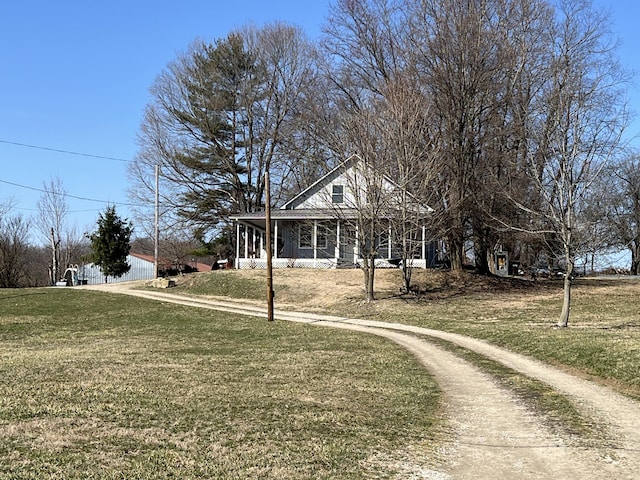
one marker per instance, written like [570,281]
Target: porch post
[275,240]
[389,243]
[246,241]
[356,247]
[253,241]
[337,253]
[424,246]
[261,244]
[238,244]
[315,239]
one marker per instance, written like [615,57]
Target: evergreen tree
[110,244]
[220,116]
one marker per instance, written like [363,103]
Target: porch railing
[318,263]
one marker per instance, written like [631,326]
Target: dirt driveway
[493,436]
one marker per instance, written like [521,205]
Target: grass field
[107,386]
[602,342]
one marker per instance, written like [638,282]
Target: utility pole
[55,258]
[155,225]
[267,212]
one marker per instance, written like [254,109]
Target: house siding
[291,244]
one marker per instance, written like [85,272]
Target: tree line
[504,117]
[35,251]
[23,264]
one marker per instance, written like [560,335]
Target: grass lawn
[602,341]
[107,386]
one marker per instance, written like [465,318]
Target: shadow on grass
[454,286]
[21,295]
[607,281]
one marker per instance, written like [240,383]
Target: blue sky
[75,76]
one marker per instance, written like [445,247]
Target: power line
[115,159]
[71,196]
[24,209]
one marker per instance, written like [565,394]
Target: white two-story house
[319,227]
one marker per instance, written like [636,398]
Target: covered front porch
[309,239]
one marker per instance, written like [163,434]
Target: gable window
[337,194]
[305,235]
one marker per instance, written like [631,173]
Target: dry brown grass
[342,290]
[601,342]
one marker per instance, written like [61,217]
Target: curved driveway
[492,435]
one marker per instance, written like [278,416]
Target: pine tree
[110,244]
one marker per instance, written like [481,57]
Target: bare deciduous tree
[14,248]
[51,223]
[579,122]
[373,95]
[412,160]
[617,206]
[478,62]
[455,53]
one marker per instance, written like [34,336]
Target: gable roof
[304,200]
[320,183]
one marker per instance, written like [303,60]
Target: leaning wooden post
[267,212]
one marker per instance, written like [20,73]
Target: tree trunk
[370,288]
[368,269]
[635,258]
[55,262]
[365,273]
[482,260]
[406,268]
[456,254]
[563,322]
[371,278]
[483,249]
[406,275]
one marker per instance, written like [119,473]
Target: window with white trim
[322,232]
[305,235]
[337,194]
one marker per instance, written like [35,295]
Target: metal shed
[141,269]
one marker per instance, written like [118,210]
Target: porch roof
[299,214]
